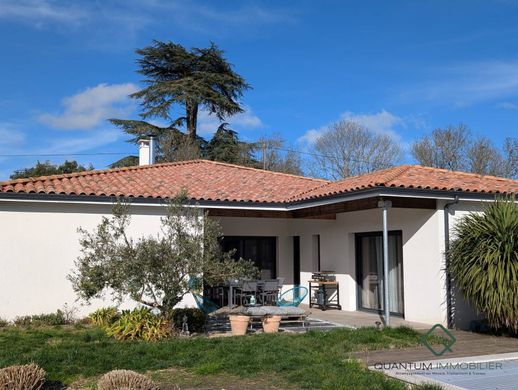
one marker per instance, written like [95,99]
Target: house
[289,225]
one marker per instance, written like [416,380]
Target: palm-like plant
[483,262]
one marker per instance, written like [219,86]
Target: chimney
[146,154]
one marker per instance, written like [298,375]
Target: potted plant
[271,323]
[239,324]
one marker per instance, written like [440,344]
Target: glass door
[369,263]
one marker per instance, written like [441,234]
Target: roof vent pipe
[146,151]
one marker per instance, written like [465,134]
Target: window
[315,257]
[261,250]
[369,261]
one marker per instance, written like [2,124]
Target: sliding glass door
[369,263]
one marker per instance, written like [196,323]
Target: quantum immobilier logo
[447,340]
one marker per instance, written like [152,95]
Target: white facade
[39,243]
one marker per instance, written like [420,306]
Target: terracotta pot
[271,324]
[239,324]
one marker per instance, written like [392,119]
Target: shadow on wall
[462,311]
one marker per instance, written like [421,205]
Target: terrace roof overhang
[319,208]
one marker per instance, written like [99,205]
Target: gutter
[242,205]
[449,298]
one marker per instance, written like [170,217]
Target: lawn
[314,360]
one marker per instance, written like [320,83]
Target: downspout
[449,305]
[385,205]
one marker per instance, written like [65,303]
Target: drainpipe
[449,305]
[385,205]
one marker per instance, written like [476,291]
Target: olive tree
[154,270]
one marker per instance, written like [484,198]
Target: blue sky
[399,67]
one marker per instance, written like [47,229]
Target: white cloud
[125,18]
[208,124]
[89,108]
[311,136]
[468,83]
[382,122]
[92,140]
[40,11]
[10,138]
[508,106]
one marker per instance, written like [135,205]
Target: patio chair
[269,292]
[281,282]
[293,297]
[205,304]
[247,289]
[195,283]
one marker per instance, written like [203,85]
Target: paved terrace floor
[467,343]
[358,319]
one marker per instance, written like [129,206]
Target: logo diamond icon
[447,340]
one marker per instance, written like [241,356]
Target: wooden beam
[248,213]
[327,211]
[343,207]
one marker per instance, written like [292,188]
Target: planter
[239,324]
[271,324]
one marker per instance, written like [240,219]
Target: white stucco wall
[38,245]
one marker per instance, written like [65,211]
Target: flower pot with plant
[239,324]
[271,323]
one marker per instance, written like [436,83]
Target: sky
[401,68]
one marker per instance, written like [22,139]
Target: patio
[317,319]
[358,319]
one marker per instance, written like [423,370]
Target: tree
[483,262]
[444,148]
[456,148]
[347,148]
[154,270]
[511,157]
[47,168]
[485,159]
[188,79]
[225,146]
[274,156]
[128,161]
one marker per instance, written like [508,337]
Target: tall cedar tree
[187,79]
[225,146]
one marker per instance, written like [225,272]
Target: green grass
[313,360]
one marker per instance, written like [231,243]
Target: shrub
[195,319]
[139,324]
[125,380]
[104,316]
[26,377]
[3,323]
[22,321]
[483,262]
[51,319]
[60,317]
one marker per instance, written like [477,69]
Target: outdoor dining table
[232,284]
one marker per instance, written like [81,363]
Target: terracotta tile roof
[209,180]
[415,176]
[204,180]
